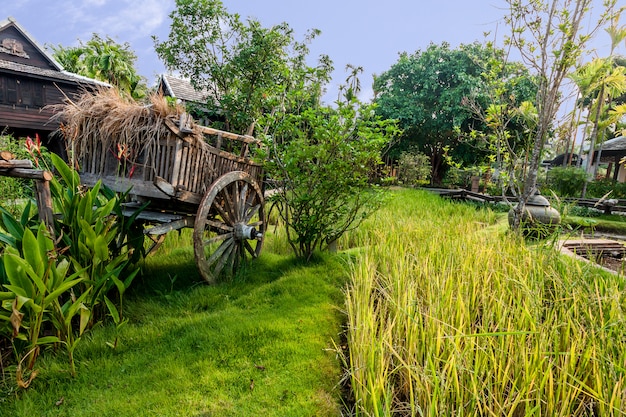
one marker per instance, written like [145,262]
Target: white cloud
[133,19]
[95,2]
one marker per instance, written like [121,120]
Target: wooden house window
[21,92]
[11,91]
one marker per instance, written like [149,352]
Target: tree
[427,93]
[246,67]
[104,60]
[507,115]
[550,39]
[320,157]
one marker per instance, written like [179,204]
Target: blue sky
[363,33]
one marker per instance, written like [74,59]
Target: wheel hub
[243,231]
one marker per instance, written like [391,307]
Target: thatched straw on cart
[120,124]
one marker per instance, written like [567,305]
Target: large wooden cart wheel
[229,225]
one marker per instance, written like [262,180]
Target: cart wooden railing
[197,177]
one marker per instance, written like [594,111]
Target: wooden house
[611,153]
[30,82]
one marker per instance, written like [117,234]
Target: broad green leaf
[17,276]
[13,227]
[26,213]
[68,175]
[60,290]
[85,209]
[32,253]
[101,249]
[7,295]
[8,240]
[85,315]
[112,309]
[47,340]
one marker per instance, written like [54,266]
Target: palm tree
[105,60]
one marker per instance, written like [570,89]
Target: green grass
[194,350]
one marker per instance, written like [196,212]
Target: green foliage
[104,60]
[567,181]
[432,327]
[428,93]
[94,235]
[413,168]
[54,289]
[246,68]
[36,294]
[600,188]
[14,189]
[321,160]
[258,345]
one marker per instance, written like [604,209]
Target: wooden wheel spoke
[249,248]
[217,238]
[251,213]
[220,251]
[219,225]
[257,223]
[242,201]
[229,206]
[251,199]
[227,258]
[223,214]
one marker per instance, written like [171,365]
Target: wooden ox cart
[192,176]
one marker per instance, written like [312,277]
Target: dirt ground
[614,264]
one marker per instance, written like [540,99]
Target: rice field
[450,315]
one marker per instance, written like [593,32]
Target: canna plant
[37,290]
[52,291]
[90,229]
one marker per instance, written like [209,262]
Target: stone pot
[537,212]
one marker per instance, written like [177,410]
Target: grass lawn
[261,344]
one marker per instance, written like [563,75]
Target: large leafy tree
[105,60]
[247,68]
[426,92]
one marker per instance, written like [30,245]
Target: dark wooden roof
[181,89]
[615,144]
[31,84]
[20,54]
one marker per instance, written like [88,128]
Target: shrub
[44,287]
[599,188]
[566,181]
[413,168]
[322,159]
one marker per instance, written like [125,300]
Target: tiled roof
[183,89]
[615,144]
[49,74]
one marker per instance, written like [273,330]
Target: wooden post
[23,169]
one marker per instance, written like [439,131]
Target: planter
[537,212]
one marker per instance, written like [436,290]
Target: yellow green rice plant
[449,316]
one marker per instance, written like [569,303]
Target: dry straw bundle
[105,120]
